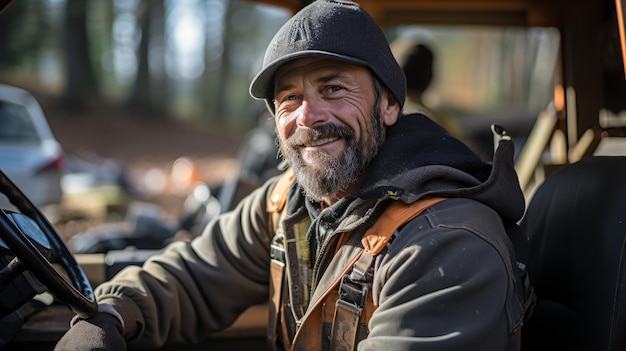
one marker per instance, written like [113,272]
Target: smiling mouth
[321,141]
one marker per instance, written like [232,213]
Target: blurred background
[151,97]
[188,58]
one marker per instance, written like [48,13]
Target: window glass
[485,74]
[16,126]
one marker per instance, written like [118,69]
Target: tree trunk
[81,88]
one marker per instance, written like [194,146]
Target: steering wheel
[38,250]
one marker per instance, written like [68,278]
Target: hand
[102,331]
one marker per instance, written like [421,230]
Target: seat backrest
[576,224]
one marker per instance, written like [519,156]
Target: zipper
[322,256]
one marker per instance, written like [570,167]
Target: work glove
[103,331]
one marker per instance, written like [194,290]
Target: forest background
[146,82]
[138,85]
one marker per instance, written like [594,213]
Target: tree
[81,87]
[149,90]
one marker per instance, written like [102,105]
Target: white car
[29,153]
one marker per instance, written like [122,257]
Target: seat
[576,225]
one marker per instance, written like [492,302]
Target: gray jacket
[446,282]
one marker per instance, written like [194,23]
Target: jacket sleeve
[443,286]
[193,288]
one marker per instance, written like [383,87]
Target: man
[445,280]
[417,61]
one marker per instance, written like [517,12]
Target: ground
[140,143]
[143,146]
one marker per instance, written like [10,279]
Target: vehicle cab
[571,163]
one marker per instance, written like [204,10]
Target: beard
[327,175]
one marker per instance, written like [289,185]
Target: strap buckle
[351,292]
[277,249]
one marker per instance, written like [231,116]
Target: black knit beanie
[336,29]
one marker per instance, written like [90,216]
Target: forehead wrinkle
[331,76]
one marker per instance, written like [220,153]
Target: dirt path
[140,144]
[144,147]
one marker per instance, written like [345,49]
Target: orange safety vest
[348,303]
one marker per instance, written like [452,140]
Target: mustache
[306,136]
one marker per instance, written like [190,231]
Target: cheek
[366,129]
[284,124]
[283,120]
[362,126]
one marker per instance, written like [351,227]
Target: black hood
[419,158]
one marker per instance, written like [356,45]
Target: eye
[286,97]
[292,97]
[287,101]
[334,89]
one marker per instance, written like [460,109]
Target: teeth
[321,141]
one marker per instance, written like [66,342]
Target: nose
[312,112]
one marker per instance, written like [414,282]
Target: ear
[389,109]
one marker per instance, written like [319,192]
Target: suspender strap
[345,326]
[276,287]
[278,198]
[354,286]
[276,207]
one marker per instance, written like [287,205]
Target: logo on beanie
[300,31]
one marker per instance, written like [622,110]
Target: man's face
[329,123]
